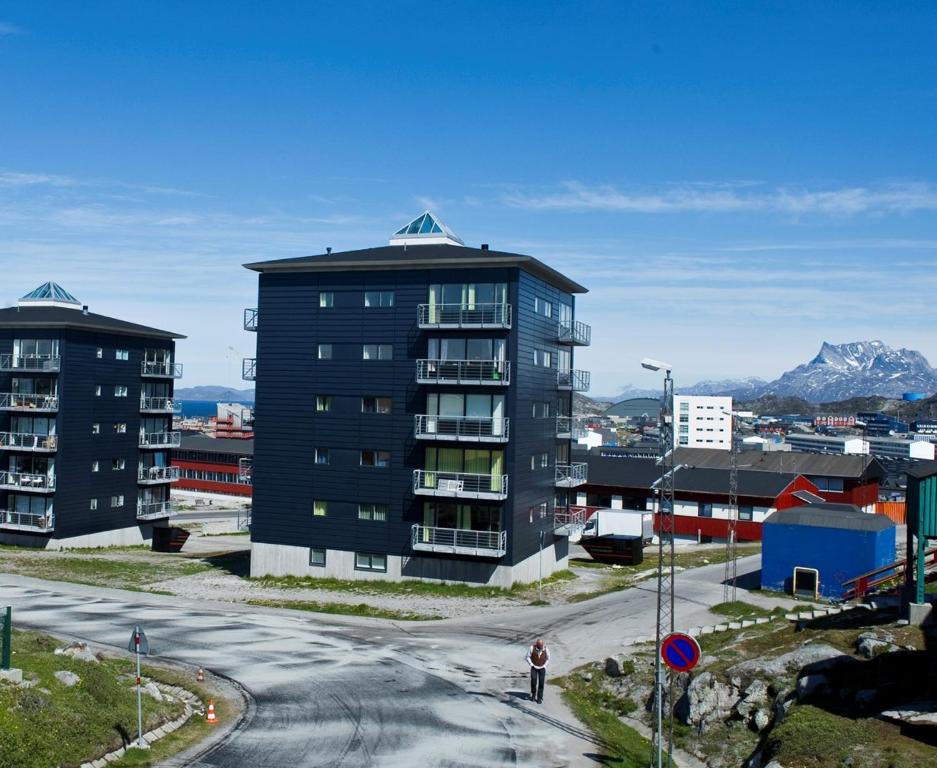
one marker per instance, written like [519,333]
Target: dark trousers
[537,677]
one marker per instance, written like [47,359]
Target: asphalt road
[343,691]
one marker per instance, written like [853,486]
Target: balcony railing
[153,475]
[577,381]
[460,485]
[564,427]
[161,370]
[250,320]
[27,481]
[494,372]
[11,520]
[568,521]
[245,469]
[465,315]
[154,510]
[14,401]
[462,428]
[459,541]
[28,441]
[249,369]
[571,475]
[159,405]
[160,439]
[574,333]
[34,363]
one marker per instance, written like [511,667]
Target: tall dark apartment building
[86,405]
[413,411]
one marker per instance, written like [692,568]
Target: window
[375,458]
[704,509]
[377,351]
[120,428]
[376,512]
[325,352]
[94,466]
[117,501]
[97,390]
[541,410]
[100,353]
[540,461]
[538,511]
[828,484]
[543,358]
[326,299]
[95,429]
[317,557]
[543,307]
[746,512]
[322,455]
[93,505]
[364,561]
[121,354]
[378,298]
[120,390]
[320,508]
[118,464]
[376,404]
[323,403]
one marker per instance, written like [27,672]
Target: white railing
[159,405]
[464,428]
[569,516]
[43,363]
[154,509]
[463,485]
[249,369]
[573,332]
[459,541]
[571,475]
[577,381]
[250,319]
[496,372]
[27,481]
[28,441]
[162,370]
[245,469]
[564,426]
[157,474]
[26,521]
[15,401]
[160,439]
[467,315]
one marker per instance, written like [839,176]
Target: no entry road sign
[680,652]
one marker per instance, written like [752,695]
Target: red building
[214,465]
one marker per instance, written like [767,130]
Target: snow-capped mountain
[740,389]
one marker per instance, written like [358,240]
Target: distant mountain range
[215,394]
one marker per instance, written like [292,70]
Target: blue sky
[736,182]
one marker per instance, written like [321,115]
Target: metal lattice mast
[729,582]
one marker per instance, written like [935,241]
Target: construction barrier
[896,511]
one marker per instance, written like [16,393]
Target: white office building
[702,422]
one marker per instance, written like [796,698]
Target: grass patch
[104,571]
[345,609]
[738,609]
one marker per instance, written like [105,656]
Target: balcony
[460,485]
[569,521]
[577,381]
[573,333]
[434,316]
[11,520]
[491,372]
[14,401]
[250,320]
[31,363]
[159,405]
[160,439]
[27,481]
[161,370]
[156,475]
[467,429]
[249,369]
[458,541]
[28,441]
[564,427]
[154,510]
[571,475]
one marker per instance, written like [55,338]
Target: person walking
[538,656]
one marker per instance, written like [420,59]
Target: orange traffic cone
[210,717]
[200,675]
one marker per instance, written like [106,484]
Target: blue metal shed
[836,542]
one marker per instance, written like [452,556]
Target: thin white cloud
[898,197]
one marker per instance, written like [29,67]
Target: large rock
[753,698]
[708,701]
[812,653]
[811,684]
[78,651]
[66,678]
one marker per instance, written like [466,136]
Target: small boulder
[152,691]
[811,684]
[760,720]
[870,647]
[586,677]
[618,665]
[11,676]
[754,697]
[78,651]
[708,701]
[66,678]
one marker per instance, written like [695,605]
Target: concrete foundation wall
[120,537]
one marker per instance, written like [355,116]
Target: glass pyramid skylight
[49,295]
[425,229]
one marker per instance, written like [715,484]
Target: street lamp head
[655,365]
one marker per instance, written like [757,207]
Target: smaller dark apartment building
[86,405]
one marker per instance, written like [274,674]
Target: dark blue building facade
[413,412]
[85,424]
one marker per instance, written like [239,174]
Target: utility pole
[730,591]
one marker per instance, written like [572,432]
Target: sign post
[138,645]
[7,638]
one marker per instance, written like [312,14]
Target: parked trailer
[617,535]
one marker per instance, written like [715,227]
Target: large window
[378,298]
[469,461]
[466,349]
[468,517]
[376,404]
[366,561]
[33,353]
[376,512]
[377,351]
[456,404]
[371,458]
[468,295]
